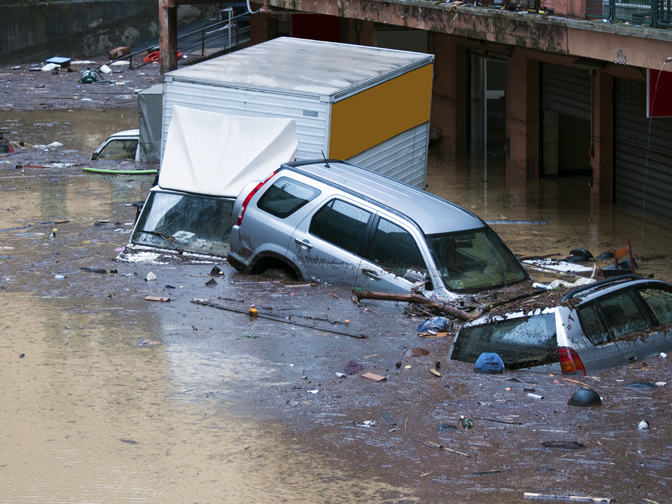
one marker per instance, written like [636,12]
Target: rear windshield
[521,342]
[185,222]
[474,260]
[286,196]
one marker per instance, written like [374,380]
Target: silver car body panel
[420,206]
[570,334]
[262,234]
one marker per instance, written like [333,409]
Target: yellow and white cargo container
[368,105]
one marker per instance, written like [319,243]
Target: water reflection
[88,416]
[80,130]
[573,222]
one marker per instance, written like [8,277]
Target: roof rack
[608,281]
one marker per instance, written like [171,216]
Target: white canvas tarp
[218,155]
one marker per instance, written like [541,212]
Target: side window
[286,196]
[660,302]
[592,325]
[119,150]
[395,249]
[622,313]
[341,224]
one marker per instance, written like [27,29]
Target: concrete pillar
[360,32]
[602,146]
[263,26]
[522,116]
[449,91]
[168,35]
[570,8]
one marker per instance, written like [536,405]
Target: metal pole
[654,13]
[612,10]
[230,9]
[202,42]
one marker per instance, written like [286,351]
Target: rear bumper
[238,264]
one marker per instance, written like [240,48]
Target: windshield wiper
[494,258]
[170,239]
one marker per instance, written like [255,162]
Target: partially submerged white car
[209,159]
[121,146]
[592,328]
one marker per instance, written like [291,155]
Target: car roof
[600,289]
[133,132]
[422,207]
[592,291]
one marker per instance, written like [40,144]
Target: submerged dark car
[594,327]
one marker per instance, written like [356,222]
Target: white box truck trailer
[367,105]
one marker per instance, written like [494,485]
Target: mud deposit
[107,397]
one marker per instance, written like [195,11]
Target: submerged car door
[392,261]
[657,301]
[589,337]
[327,244]
[620,320]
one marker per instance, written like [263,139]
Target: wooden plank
[158,298]
[372,376]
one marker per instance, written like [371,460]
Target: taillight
[249,197]
[570,362]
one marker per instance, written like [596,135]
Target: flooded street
[563,202]
[107,397]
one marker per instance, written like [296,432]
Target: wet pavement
[107,397]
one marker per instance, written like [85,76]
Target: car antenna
[326,163]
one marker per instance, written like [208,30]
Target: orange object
[253,311]
[155,56]
[570,362]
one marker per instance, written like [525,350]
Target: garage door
[642,154]
[565,103]
[565,90]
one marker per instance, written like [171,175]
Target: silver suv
[594,327]
[334,222]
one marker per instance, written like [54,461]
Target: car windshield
[185,222]
[474,260]
[520,342]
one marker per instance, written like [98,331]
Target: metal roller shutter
[642,154]
[565,90]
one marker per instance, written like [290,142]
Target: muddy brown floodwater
[106,397]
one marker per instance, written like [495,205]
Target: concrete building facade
[560,89]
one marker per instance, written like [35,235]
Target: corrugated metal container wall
[565,90]
[642,154]
[310,114]
[403,157]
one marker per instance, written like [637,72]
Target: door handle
[303,243]
[371,274]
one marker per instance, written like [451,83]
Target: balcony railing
[653,13]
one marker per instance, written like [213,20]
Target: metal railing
[653,13]
[230,31]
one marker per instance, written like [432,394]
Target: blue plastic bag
[436,324]
[489,363]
